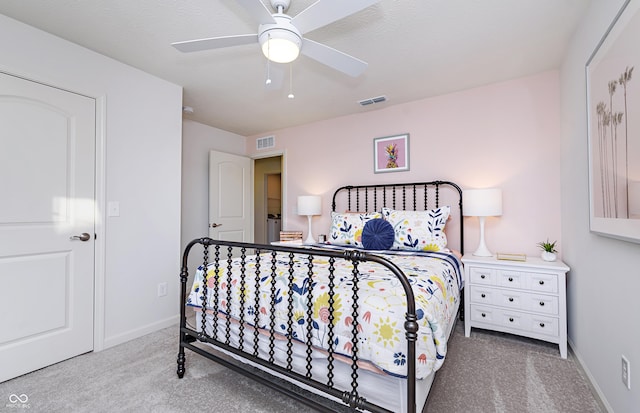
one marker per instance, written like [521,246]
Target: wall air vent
[265,142]
[371,101]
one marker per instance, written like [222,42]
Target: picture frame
[613,115]
[391,153]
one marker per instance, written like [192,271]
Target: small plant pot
[548,256]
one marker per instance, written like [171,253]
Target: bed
[359,323]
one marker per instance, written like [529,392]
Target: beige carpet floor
[488,372]
[496,372]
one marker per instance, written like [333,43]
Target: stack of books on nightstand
[291,236]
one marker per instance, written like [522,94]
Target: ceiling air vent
[367,102]
[266,142]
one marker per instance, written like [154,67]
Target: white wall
[142,166]
[198,140]
[603,285]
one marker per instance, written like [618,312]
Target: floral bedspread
[436,280]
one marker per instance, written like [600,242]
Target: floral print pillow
[346,229]
[418,230]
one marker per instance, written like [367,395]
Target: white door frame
[271,154]
[100,241]
[100,203]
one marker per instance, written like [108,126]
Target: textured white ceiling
[415,49]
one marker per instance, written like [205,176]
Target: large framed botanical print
[613,100]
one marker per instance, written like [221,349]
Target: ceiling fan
[281,36]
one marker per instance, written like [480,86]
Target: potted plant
[548,250]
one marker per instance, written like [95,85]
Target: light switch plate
[113,209]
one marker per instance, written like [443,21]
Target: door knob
[82,237]
[214,225]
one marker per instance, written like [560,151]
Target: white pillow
[346,228]
[418,230]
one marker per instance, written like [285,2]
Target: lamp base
[309,239]
[482,250]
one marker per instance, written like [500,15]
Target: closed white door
[230,200]
[47,218]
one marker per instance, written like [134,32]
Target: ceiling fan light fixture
[280,41]
[280,35]
[280,46]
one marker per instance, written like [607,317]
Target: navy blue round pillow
[377,234]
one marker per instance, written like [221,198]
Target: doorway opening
[267,199]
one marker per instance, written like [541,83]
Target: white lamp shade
[309,205]
[482,202]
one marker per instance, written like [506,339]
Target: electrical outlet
[626,372]
[162,289]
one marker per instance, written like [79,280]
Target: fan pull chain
[268,81]
[291,96]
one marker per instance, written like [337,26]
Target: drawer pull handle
[483,295]
[541,303]
[541,282]
[511,319]
[483,276]
[542,325]
[510,299]
[483,314]
[510,279]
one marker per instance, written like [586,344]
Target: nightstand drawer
[544,283]
[544,325]
[500,317]
[546,304]
[511,279]
[515,321]
[484,276]
[529,323]
[499,297]
[482,314]
[481,294]
[514,299]
[519,300]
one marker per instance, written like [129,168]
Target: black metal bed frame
[389,195]
[224,252]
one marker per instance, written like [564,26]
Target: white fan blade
[258,11]
[215,43]
[323,12]
[333,58]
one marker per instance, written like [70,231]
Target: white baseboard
[592,382]
[141,331]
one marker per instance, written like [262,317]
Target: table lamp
[482,203]
[309,205]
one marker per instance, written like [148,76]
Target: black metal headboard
[415,196]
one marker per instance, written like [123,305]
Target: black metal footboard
[251,264]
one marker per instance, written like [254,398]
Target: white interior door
[230,197]
[47,158]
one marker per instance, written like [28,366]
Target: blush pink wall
[503,135]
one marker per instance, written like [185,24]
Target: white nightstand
[526,298]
